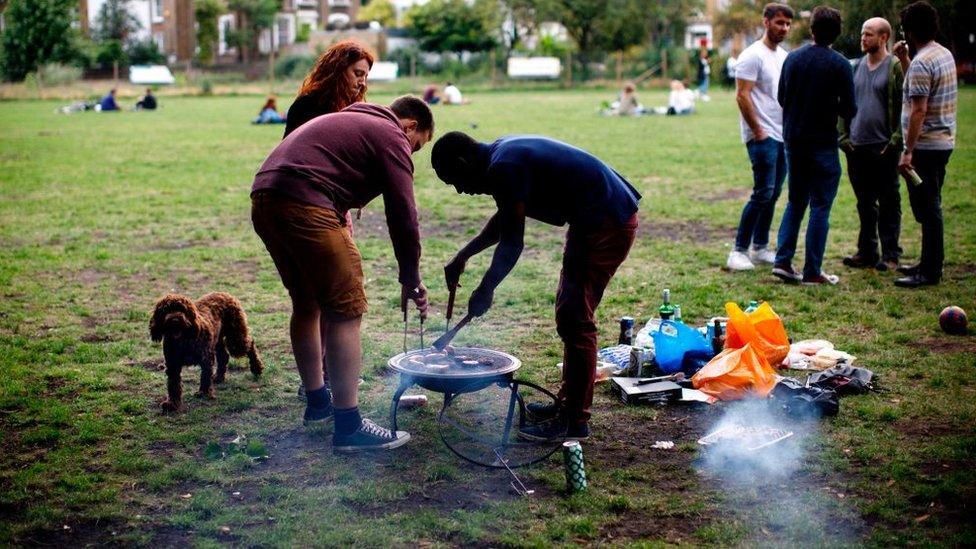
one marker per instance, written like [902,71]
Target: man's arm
[511,232]
[743,97]
[894,106]
[401,218]
[485,239]
[847,106]
[919,104]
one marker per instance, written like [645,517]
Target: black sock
[347,420]
[319,398]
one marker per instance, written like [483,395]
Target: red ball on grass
[953,320]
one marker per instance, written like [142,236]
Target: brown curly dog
[212,329]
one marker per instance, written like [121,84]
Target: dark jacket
[816,87]
[301,111]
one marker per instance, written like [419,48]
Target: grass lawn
[101,214]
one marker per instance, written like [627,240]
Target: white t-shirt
[759,64]
[452,95]
[682,101]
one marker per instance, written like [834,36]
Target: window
[157,11]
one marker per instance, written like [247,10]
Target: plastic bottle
[753,305]
[677,313]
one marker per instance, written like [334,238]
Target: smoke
[775,493]
[735,460]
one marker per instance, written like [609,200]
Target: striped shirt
[932,74]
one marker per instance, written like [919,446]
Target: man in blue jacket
[558,184]
[815,88]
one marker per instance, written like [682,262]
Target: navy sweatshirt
[815,87]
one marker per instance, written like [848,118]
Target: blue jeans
[814,176]
[768,172]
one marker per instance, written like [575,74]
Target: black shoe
[915,281]
[557,429]
[858,261]
[318,416]
[787,274]
[886,265]
[369,436]
[907,270]
[538,412]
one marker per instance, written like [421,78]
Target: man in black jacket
[815,87]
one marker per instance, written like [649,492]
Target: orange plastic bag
[762,328]
[736,373]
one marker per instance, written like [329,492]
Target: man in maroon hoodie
[300,196]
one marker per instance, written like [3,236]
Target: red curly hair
[327,79]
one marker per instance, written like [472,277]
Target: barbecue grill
[459,375]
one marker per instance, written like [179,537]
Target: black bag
[846,380]
[803,401]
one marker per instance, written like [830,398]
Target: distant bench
[534,67]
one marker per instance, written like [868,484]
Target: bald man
[873,143]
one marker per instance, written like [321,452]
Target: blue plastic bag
[673,341]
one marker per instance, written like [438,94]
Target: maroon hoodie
[343,161]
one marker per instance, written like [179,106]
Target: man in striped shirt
[929,127]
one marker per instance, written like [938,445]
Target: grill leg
[405,383]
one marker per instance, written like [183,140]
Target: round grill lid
[463,363]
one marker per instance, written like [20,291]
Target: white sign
[383,71]
[534,67]
[150,74]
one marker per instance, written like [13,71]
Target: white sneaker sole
[402,438]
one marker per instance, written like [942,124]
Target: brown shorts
[314,253]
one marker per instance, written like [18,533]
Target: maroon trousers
[590,260]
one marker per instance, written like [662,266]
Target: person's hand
[900,50]
[452,272]
[847,146]
[480,301]
[418,295]
[905,164]
[761,135]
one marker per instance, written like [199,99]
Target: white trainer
[739,261]
[762,255]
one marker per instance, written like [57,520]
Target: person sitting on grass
[681,100]
[432,95]
[299,201]
[558,184]
[627,104]
[147,103]
[269,113]
[108,103]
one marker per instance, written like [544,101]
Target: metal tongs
[449,333]
[404,307]
[516,484]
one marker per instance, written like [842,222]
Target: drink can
[575,471]
[413,401]
[913,177]
[626,330]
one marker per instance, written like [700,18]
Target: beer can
[573,461]
[413,401]
[626,330]
[912,176]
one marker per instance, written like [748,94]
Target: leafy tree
[379,10]
[206,13]
[582,21]
[145,52]
[452,25]
[740,18]
[37,32]
[253,16]
[114,21]
[111,52]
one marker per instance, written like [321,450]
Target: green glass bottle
[666,310]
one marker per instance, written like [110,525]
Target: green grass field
[101,214]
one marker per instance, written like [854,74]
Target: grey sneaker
[762,255]
[739,261]
[369,436]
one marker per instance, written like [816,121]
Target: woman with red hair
[337,80]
